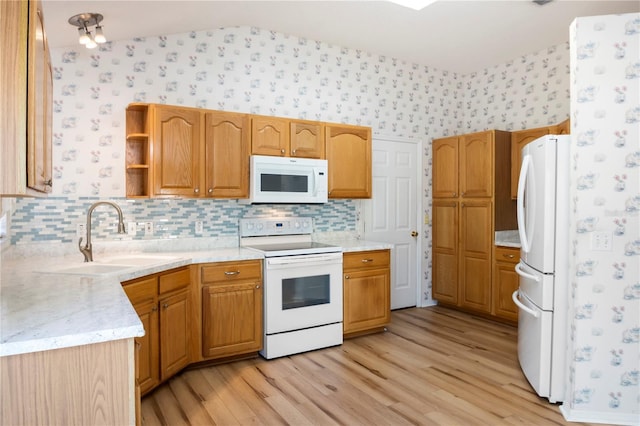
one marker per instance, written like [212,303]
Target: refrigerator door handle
[522,180]
[519,304]
[522,273]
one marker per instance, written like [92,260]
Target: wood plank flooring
[434,366]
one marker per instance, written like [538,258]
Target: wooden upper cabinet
[26,85]
[176,151]
[306,139]
[518,140]
[476,165]
[563,128]
[348,151]
[40,103]
[227,140]
[445,167]
[269,136]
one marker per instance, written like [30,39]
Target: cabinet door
[142,295]
[176,145]
[476,165]
[227,139]
[231,319]
[174,333]
[445,167]
[476,243]
[505,283]
[307,139]
[149,350]
[518,140]
[348,151]
[445,251]
[366,300]
[39,104]
[269,136]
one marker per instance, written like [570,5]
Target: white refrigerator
[543,222]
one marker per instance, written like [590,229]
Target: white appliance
[543,225]
[288,180]
[302,285]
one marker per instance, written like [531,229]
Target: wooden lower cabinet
[445,251]
[81,385]
[476,244]
[505,282]
[162,302]
[232,322]
[366,290]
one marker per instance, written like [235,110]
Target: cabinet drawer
[174,280]
[504,254]
[366,259]
[231,271]
[142,290]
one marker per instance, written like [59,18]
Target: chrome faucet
[87,249]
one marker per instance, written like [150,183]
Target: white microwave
[287,180]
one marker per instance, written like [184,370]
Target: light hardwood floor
[432,366]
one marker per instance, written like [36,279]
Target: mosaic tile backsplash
[55,218]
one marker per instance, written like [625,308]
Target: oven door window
[305,291]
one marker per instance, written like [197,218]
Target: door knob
[414,234]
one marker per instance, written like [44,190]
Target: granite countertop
[509,238]
[44,307]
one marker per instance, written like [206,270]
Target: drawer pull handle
[509,256]
[367,260]
[231,272]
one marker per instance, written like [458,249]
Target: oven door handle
[305,259]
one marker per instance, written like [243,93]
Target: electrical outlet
[601,240]
[81,230]
[131,228]
[199,227]
[148,228]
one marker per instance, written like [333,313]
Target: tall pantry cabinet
[471,200]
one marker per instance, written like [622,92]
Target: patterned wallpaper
[604,358]
[258,71]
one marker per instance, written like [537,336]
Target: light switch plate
[81,231]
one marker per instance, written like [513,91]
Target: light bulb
[99,38]
[91,43]
[83,38]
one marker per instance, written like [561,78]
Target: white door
[392,214]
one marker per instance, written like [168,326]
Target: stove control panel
[258,227]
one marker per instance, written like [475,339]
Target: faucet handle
[86,251]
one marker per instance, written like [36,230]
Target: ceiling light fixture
[414,4]
[85,20]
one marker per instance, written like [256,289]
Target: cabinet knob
[258,286]
[463,193]
[196,190]
[210,190]
[282,151]
[346,277]
[154,309]
[454,194]
[293,152]
[165,306]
